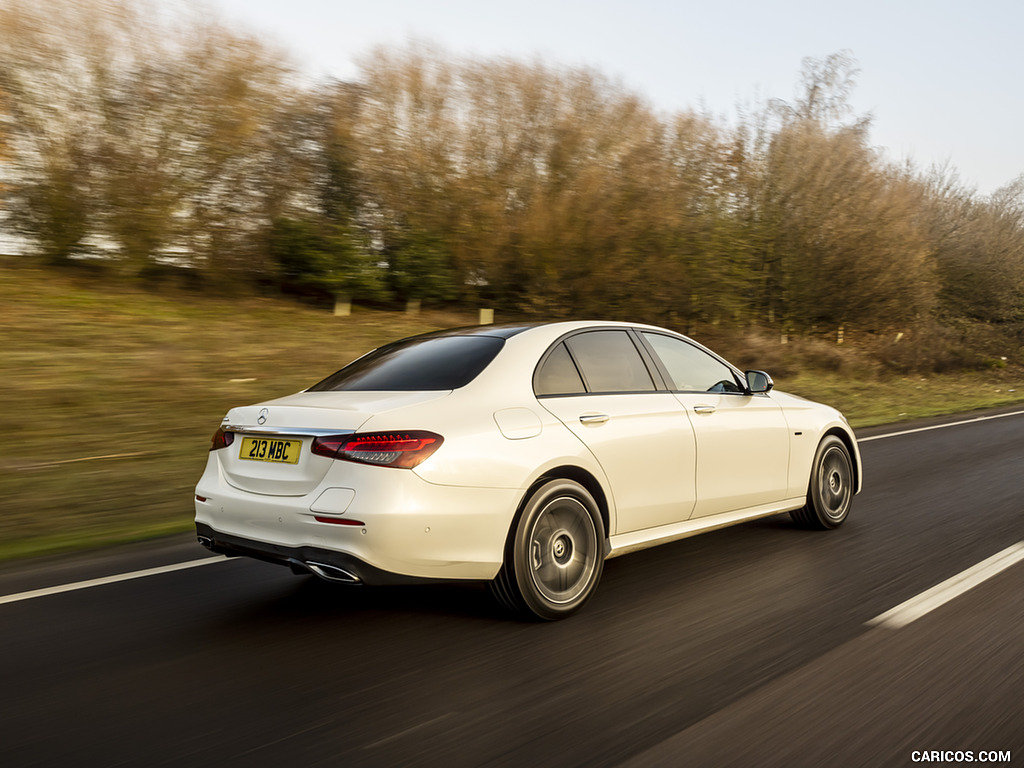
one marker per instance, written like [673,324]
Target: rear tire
[830,490]
[555,554]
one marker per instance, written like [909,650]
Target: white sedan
[523,455]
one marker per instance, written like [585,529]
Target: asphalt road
[750,646]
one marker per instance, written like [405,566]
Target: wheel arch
[581,476]
[851,446]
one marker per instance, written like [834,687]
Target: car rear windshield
[418,364]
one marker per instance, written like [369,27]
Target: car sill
[624,543]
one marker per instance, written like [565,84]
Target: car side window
[610,362]
[690,368]
[558,375]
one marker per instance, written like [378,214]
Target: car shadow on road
[670,571]
[308,598]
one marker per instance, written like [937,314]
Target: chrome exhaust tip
[206,541]
[333,573]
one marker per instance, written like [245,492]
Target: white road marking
[110,579]
[929,600]
[940,594]
[939,426]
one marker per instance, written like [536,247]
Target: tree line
[155,139]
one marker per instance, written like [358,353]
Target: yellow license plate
[270,449]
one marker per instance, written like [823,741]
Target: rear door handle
[593,418]
[703,409]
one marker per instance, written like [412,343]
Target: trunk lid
[271,452]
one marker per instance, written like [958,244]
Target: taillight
[383,449]
[222,439]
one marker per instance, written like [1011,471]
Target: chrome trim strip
[285,431]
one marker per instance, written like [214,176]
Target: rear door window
[558,375]
[609,362]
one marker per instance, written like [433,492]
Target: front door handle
[593,418]
[703,409]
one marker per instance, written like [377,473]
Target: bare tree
[835,231]
[979,246]
[52,118]
[151,132]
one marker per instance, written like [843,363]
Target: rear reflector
[383,449]
[338,520]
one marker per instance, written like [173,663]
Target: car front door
[742,439]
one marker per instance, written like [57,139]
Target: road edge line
[18,597]
[927,601]
[939,426]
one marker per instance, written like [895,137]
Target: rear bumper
[325,563]
[398,527]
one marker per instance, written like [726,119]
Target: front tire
[555,554]
[830,491]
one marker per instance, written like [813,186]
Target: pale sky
[943,80]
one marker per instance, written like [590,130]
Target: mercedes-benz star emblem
[262,419]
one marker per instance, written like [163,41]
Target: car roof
[499,330]
[508,330]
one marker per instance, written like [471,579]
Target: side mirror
[759,382]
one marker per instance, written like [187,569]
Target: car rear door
[598,384]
